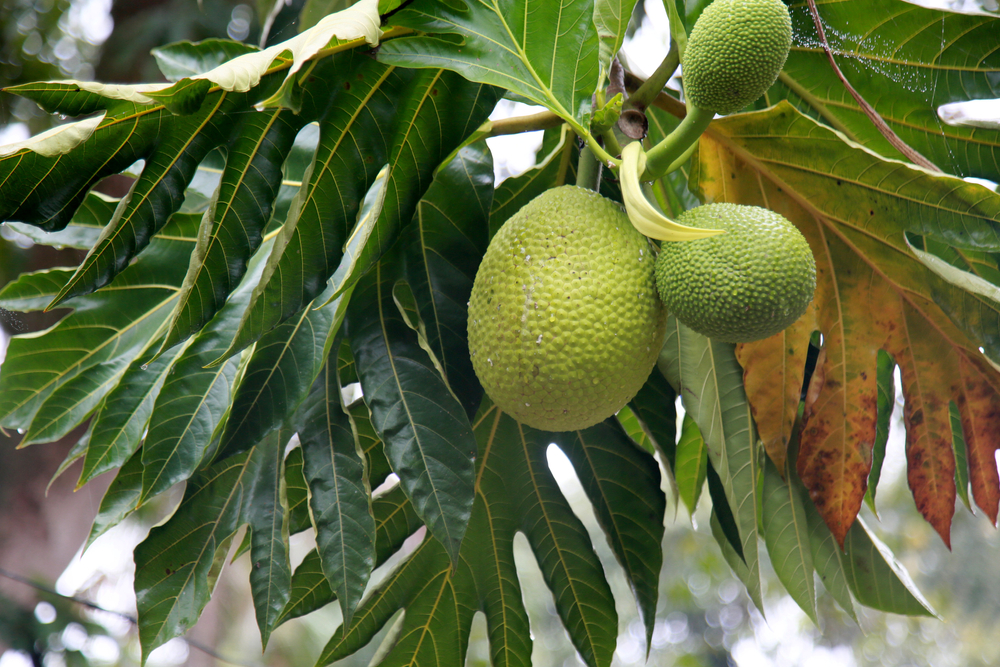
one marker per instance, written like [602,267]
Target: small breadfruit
[744,285]
[735,52]
[564,321]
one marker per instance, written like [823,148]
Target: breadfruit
[735,52]
[744,285]
[564,320]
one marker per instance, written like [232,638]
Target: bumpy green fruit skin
[736,50]
[564,321]
[747,284]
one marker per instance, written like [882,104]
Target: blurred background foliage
[704,617]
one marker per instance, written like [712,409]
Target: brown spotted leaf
[873,293]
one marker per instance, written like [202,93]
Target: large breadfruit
[564,320]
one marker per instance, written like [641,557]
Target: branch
[905,149]
[542,120]
[652,87]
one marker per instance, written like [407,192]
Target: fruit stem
[665,156]
[652,86]
[588,170]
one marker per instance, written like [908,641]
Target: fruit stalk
[588,170]
[664,157]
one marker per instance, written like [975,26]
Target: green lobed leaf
[711,386]
[906,61]
[279,373]
[83,229]
[876,578]
[623,485]
[395,521]
[691,464]
[195,400]
[388,116]
[339,496]
[656,406]
[548,52]
[611,18]
[176,564]
[270,569]
[120,423]
[786,534]
[187,59]
[511,458]
[102,336]
[426,432]
[443,246]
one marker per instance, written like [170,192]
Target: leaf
[426,432]
[105,333]
[339,493]
[511,456]
[886,383]
[296,493]
[961,461]
[611,18]
[856,231]
[195,401]
[547,52]
[395,520]
[281,369]
[121,498]
[906,68]
[826,555]
[786,534]
[176,563]
[690,464]
[774,374]
[443,247]
[876,579]
[121,421]
[232,228]
[270,570]
[623,484]
[711,385]
[389,116]
[656,406]
[186,59]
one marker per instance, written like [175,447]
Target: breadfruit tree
[310,216]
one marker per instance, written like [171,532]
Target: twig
[905,149]
[542,120]
[648,91]
[13,576]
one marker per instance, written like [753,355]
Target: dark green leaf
[444,244]
[296,493]
[121,498]
[177,564]
[623,484]
[120,423]
[284,364]
[339,493]
[426,432]
[270,570]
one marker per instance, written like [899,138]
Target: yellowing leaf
[872,293]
